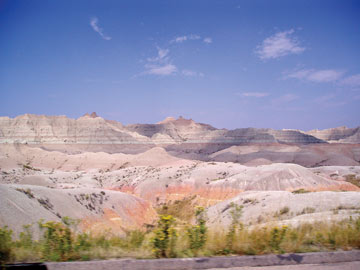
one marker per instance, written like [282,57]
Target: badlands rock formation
[184,138]
[340,134]
[263,207]
[108,175]
[92,129]
[97,209]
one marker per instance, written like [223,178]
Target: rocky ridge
[92,129]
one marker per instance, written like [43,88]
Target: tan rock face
[340,134]
[92,129]
[110,176]
[34,129]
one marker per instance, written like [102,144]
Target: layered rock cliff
[94,130]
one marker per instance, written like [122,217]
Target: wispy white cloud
[254,94]
[94,24]
[207,40]
[284,99]
[163,70]
[191,73]
[330,100]
[353,80]
[181,39]
[278,45]
[160,65]
[324,75]
[161,57]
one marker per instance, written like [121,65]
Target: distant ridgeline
[92,129]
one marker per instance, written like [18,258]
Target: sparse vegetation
[284,210]
[28,167]
[300,191]
[57,242]
[235,212]
[164,239]
[276,238]
[5,244]
[251,201]
[197,233]
[27,192]
[307,210]
[60,242]
[180,209]
[351,178]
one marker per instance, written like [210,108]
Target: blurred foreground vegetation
[172,237]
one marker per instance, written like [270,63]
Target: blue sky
[232,64]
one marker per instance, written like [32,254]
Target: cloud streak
[278,45]
[160,65]
[255,94]
[181,39]
[94,24]
[313,75]
[284,99]
[164,70]
[191,73]
[207,40]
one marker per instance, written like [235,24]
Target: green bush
[276,238]
[134,239]
[235,212]
[57,241]
[165,238]
[6,244]
[197,233]
[26,238]
[83,242]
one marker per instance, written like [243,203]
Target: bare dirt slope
[96,209]
[261,207]
[155,175]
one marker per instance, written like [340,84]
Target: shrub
[26,237]
[83,242]
[134,239]
[5,244]
[276,237]
[165,237]
[308,210]
[300,191]
[27,192]
[351,178]
[57,241]
[284,210]
[28,167]
[197,233]
[235,212]
[180,209]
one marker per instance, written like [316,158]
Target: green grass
[59,242]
